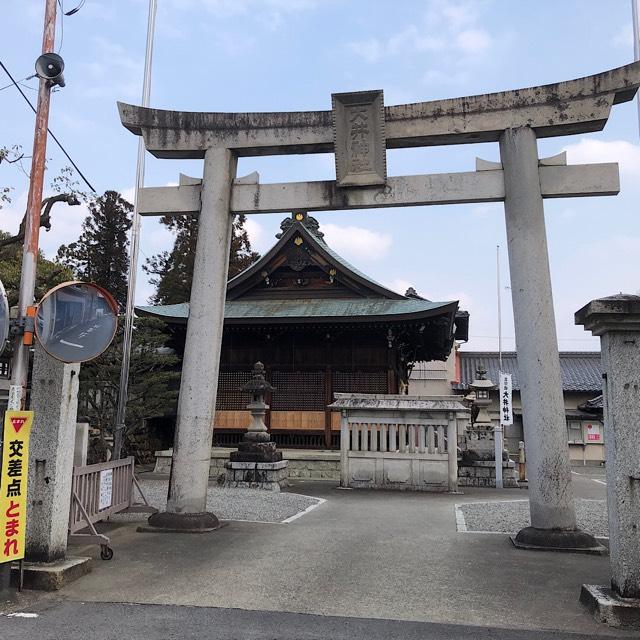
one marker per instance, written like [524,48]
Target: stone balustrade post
[616,320]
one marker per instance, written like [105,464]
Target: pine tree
[172,271]
[101,253]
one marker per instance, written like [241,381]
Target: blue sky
[262,55]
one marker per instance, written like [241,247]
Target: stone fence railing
[399,442]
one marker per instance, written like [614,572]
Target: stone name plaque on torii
[359,143]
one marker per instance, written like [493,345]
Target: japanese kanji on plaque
[13,484]
[506,405]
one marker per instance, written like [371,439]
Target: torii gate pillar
[187,497]
[553,518]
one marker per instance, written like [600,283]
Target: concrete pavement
[363,554]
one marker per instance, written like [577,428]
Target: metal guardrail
[99,491]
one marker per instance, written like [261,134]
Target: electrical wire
[7,86]
[75,166]
[62,14]
[70,13]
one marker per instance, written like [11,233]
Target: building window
[574,428]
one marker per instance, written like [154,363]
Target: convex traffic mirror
[76,321]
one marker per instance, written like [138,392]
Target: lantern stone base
[610,608]
[249,451]
[267,476]
[482,473]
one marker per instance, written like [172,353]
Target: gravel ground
[232,504]
[510,517]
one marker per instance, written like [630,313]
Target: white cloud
[257,236]
[357,242]
[115,72]
[444,27]
[588,150]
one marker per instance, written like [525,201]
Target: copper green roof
[245,311]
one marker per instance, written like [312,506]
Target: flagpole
[499,306]
[498,431]
[635,13]
[135,247]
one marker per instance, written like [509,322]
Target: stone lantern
[478,466]
[479,440]
[481,388]
[257,464]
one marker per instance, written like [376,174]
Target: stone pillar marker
[188,483]
[54,402]
[553,519]
[616,320]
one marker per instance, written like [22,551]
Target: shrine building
[320,327]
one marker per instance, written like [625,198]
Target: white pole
[135,246]
[497,432]
[499,307]
[635,12]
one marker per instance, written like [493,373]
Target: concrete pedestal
[269,476]
[187,497]
[54,400]
[51,576]
[616,320]
[482,473]
[550,492]
[608,607]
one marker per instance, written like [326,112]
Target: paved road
[108,621]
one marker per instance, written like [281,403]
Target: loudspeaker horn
[50,66]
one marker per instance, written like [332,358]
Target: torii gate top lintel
[564,108]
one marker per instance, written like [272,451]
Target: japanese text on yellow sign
[13,484]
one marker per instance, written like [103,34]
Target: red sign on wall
[593,433]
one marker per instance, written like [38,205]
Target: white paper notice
[106,488]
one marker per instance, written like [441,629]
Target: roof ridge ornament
[304,219]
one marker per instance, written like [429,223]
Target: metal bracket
[16,326]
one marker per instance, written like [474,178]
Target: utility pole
[135,246]
[22,342]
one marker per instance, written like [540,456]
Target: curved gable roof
[297,228]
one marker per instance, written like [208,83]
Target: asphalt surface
[106,621]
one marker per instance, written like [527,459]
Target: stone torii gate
[358,130]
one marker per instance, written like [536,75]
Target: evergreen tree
[153,388]
[172,271]
[101,253]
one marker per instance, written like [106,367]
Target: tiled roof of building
[595,405]
[581,370]
[364,309]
